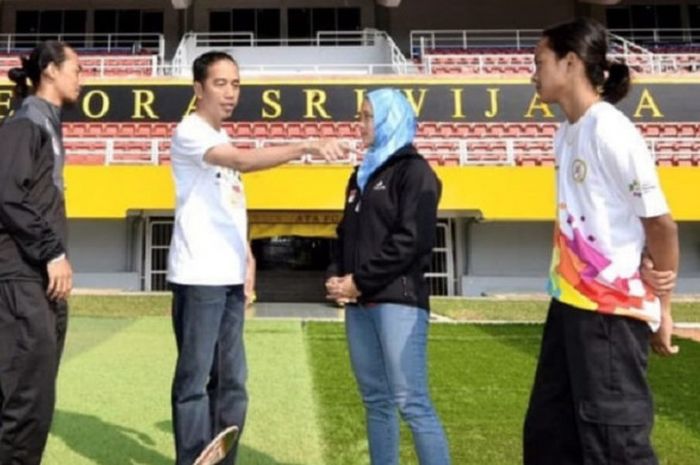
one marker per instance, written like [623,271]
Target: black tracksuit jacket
[387,233]
[32,206]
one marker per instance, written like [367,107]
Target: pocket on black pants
[616,431]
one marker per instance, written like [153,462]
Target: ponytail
[51,51]
[19,77]
[618,83]
[588,39]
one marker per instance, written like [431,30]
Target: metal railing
[620,45]
[154,151]
[479,64]
[118,42]
[128,66]
[321,69]
[506,151]
[191,42]
[678,148]
[105,66]
[518,39]
[660,35]
[468,63]
[515,39]
[366,37]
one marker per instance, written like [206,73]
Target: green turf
[112,395]
[127,306]
[526,310]
[480,381]
[114,407]
[134,306]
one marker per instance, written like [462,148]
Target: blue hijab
[394,127]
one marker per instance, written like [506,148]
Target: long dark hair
[50,51]
[588,39]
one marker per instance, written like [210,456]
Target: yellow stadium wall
[493,193]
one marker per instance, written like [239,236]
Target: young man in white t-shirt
[591,403]
[208,257]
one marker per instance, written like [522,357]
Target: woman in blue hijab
[385,242]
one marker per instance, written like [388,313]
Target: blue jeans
[208,392]
[387,345]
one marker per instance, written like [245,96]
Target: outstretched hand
[329,149]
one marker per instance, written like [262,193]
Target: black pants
[32,333]
[591,403]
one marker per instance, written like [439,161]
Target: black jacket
[32,206]
[387,233]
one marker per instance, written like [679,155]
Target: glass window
[306,23]
[694,21]
[219,21]
[105,21]
[323,19]
[618,18]
[75,22]
[243,20]
[151,24]
[26,24]
[349,19]
[268,24]
[50,22]
[299,23]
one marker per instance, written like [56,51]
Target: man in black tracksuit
[35,275]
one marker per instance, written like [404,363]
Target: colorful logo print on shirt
[579,275]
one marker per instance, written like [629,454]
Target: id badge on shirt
[232,188]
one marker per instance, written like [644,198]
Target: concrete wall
[506,257]
[515,257]
[298,59]
[689,234]
[103,254]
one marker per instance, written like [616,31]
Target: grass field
[114,384]
[455,308]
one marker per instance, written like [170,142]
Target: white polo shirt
[209,242]
[606,182]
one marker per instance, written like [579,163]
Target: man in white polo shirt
[208,255]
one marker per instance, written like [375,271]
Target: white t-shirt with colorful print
[606,182]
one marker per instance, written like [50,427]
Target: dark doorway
[291,268]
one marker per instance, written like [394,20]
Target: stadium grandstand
[306,65]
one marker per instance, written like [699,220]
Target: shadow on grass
[106,443]
[246,455]
[674,380]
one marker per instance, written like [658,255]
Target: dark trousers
[32,334]
[591,403]
[208,392]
